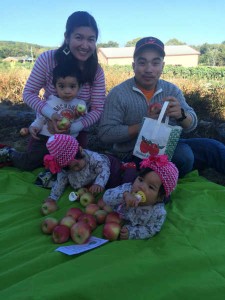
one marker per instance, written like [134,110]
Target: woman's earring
[66,51]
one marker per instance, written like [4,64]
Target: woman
[78,48]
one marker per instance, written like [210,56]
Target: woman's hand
[34,131]
[124,233]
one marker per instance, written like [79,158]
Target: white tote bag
[156,137]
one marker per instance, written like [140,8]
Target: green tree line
[19,49]
[210,54]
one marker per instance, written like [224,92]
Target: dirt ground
[15,116]
[12,118]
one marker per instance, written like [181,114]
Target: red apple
[67,221]
[113,217]
[63,124]
[86,199]
[80,232]
[155,108]
[111,231]
[48,224]
[91,208]
[100,216]
[101,203]
[24,131]
[48,207]
[74,212]
[107,208]
[89,219]
[61,234]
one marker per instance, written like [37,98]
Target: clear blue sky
[43,21]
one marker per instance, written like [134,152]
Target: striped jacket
[41,77]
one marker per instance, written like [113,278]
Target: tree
[17,49]
[221,55]
[132,43]
[197,48]
[173,42]
[212,54]
[109,44]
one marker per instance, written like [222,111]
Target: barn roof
[128,51]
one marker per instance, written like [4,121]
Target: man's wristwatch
[183,116]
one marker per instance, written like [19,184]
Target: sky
[42,22]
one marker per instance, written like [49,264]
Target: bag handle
[159,121]
[162,113]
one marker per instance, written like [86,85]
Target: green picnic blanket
[186,260]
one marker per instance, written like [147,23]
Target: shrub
[206,96]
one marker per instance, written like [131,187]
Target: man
[130,101]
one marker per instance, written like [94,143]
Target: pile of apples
[78,224]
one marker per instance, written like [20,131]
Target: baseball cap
[150,41]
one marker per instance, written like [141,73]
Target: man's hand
[154,110]
[173,109]
[133,130]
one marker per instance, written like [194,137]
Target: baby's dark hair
[64,70]
[79,155]
[144,172]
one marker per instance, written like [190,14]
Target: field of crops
[203,87]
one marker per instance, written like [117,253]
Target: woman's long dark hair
[78,19]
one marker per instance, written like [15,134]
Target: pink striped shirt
[41,77]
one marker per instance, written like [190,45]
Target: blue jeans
[199,153]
